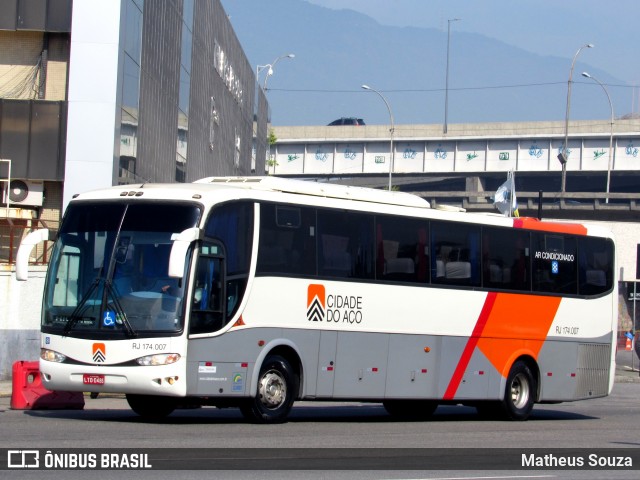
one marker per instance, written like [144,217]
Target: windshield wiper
[121,316]
[75,315]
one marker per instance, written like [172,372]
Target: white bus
[257,292]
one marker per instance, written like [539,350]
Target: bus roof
[320,189]
[212,185]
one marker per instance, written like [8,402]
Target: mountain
[336,51]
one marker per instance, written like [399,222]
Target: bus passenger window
[401,249]
[345,244]
[595,263]
[455,254]
[505,259]
[287,242]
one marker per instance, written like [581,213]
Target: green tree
[272,139]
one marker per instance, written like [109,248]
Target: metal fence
[13,230]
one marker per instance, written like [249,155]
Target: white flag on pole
[505,198]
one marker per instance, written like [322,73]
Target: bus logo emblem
[99,352]
[315,303]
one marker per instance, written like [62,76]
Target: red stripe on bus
[454,383]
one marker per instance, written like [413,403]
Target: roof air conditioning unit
[24,193]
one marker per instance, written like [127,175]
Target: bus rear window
[595,258]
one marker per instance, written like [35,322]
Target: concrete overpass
[465,167]
[466,149]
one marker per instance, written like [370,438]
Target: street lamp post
[446,86]
[269,67]
[585,74]
[564,156]
[391,153]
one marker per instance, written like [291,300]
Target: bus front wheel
[520,392]
[151,406]
[277,384]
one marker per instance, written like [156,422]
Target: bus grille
[594,363]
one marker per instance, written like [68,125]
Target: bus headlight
[158,359]
[51,356]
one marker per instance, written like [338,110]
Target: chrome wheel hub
[273,390]
[519,391]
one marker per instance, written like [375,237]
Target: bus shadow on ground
[359,413]
[444,413]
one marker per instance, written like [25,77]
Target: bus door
[208,313]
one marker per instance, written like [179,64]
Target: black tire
[410,409]
[520,392]
[152,407]
[277,387]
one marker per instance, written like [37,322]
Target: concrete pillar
[475,184]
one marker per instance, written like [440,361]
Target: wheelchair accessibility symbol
[554,267]
[109,319]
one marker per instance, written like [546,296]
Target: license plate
[88,379]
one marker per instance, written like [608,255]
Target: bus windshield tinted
[109,270]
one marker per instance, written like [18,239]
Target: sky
[544,27]
[510,58]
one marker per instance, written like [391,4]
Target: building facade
[94,94]
[100,93]
[165,92]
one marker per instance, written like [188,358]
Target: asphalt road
[329,434]
[627,360]
[599,423]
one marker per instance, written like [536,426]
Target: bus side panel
[450,365]
[466,372]
[558,376]
[361,365]
[215,362]
[413,366]
[575,371]
[479,375]
[326,364]
[307,346]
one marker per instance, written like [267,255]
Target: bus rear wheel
[520,392]
[151,407]
[410,409]
[277,385]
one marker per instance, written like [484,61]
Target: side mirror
[181,243]
[24,252]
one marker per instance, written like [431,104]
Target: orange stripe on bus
[518,324]
[509,325]
[535,224]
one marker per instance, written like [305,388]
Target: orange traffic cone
[628,347]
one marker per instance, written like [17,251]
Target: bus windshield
[109,270]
